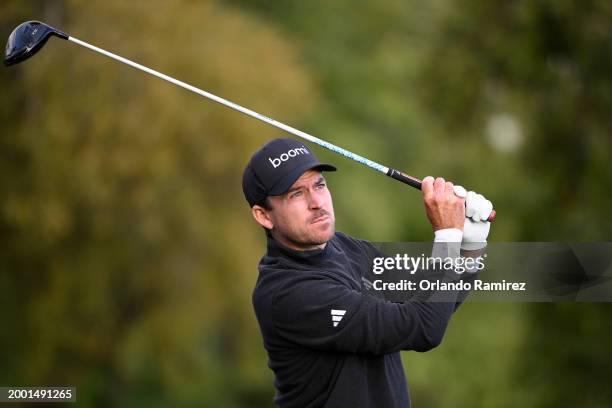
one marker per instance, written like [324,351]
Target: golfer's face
[303,217]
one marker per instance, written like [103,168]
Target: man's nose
[315,201]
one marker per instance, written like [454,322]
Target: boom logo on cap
[277,161]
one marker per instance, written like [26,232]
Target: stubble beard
[311,238]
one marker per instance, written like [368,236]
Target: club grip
[416,183]
[405,178]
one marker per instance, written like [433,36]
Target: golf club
[29,37]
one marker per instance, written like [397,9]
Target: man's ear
[262,217]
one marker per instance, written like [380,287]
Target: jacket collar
[276,249]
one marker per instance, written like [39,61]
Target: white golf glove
[476,227]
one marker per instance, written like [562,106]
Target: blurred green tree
[127,254]
[545,67]
[511,98]
[121,209]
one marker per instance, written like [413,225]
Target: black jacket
[330,343]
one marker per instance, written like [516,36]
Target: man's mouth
[321,218]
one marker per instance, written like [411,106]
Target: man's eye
[321,185]
[295,194]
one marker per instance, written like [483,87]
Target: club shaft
[229,104]
[396,174]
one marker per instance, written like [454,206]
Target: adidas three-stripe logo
[337,315]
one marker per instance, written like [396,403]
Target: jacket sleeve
[304,311]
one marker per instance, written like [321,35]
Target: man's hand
[477,211]
[444,208]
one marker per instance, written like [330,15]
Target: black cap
[274,168]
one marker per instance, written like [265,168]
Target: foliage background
[128,254]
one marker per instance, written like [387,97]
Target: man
[329,342]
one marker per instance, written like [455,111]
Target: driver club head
[26,39]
